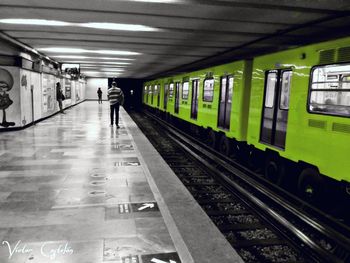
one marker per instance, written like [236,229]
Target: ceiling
[190,33]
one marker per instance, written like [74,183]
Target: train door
[225,102]
[194,100]
[151,94]
[177,97]
[276,106]
[165,96]
[158,95]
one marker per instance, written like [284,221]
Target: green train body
[312,137]
[207,110]
[291,105]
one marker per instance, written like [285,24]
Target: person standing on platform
[99,93]
[116,98]
[59,96]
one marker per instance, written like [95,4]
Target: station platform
[74,190]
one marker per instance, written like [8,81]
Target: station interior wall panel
[27,96]
[93,84]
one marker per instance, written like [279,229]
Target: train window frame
[311,90]
[290,85]
[267,72]
[171,90]
[166,90]
[184,95]
[212,90]
[146,94]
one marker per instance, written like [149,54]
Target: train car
[214,99]
[290,111]
[148,94]
[299,115]
[145,93]
[221,106]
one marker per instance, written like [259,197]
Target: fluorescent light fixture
[84,57]
[81,50]
[160,1]
[36,22]
[114,52]
[117,26]
[111,70]
[93,70]
[63,50]
[102,69]
[99,72]
[95,25]
[93,67]
[97,62]
[98,66]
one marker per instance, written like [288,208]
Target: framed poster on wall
[68,89]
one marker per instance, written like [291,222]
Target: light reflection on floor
[61,183]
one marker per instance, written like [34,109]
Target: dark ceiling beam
[232,4]
[84,36]
[223,57]
[262,5]
[203,46]
[21,47]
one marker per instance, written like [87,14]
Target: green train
[287,112]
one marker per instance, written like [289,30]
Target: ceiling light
[89,66]
[114,52]
[84,57]
[117,26]
[63,50]
[96,25]
[111,70]
[80,50]
[102,70]
[37,22]
[97,62]
[160,1]
[99,72]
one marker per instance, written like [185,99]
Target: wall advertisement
[10,110]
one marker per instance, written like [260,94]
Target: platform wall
[93,84]
[27,96]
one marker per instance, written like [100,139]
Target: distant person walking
[116,98]
[59,96]
[99,93]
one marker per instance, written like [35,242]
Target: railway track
[261,224]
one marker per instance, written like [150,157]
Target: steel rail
[187,143]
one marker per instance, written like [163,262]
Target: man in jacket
[116,98]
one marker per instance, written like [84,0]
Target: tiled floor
[73,190]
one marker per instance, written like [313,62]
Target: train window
[270,89]
[185,90]
[230,89]
[208,90]
[171,90]
[285,90]
[330,90]
[150,90]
